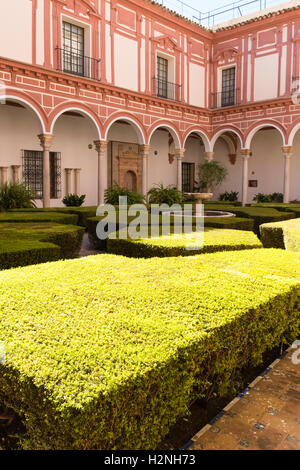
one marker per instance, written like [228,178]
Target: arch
[256,127]
[292,131]
[29,103]
[224,130]
[196,130]
[139,128]
[78,107]
[171,128]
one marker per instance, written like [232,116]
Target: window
[33,173]
[188,177]
[73,49]
[228,87]
[162,77]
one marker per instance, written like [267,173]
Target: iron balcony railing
[76,64]
[225,98]
[167,90]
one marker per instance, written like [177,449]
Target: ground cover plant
[285,235]
[176,245]
[22,244]
[111,361]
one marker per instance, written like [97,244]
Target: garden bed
[108,352]
[285,235]
[185,245]
[22,244]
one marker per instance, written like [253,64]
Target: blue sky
[205,6]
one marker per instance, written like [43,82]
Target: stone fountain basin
[206,214]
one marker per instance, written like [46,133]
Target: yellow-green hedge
[107,352]
[285,235]
[174,245]
[32,243]
[38,216]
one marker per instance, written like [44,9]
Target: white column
[3,174]
[15,169]
[77,180]
[287,153]
[246,153]
[101,148]
[68,172]
[179,156]
[144,152]
[45,141]
[209,156]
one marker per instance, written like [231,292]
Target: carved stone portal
[127,166]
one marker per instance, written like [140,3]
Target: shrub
[210,175]
[236,223]
[73,200]
[83,213]
[15,196]
[36,216]
[259,215]
[113,194]
[285,235]
[165,195]
[114,366]
[17,237]
[229,196]
[268,198]
[165,246]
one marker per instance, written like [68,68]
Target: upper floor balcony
[226,98]
[166,90]
[77,64]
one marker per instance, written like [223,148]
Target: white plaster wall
[16,30]
[197,85]
[295,169]
[266,77]
[40,32]
[72,137]
[126,62]
[267,163]
[159,168]
[233,181]
[120,132]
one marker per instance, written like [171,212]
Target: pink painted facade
[122,39]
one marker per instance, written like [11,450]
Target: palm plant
[15,196]
[165,195]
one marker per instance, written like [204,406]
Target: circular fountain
[198,198]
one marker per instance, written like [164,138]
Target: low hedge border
[214,240]
[284,235]
[114,366]
[234,223]
[83,213]
[41,239]
[26,252]
[38,216]
[295,208]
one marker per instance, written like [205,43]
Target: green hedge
[114,366]
[24,252]
[234,223]
[83,213]
[285,235]
[281,207]
[38,216]
[39,242]
[214,240]
[260,215]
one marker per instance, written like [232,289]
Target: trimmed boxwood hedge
[260,215]
[38,216]
[235,223]
[40,242]
[285,235]
[24,252]
[114,366]
[281,207]
[83,213]
[214,240]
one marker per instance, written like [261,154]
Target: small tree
[210,174]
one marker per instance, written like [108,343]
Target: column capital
[287,151]
[77,170]
[100,145]
[246,153]
[179,153]
[45,141]
[209,156]
[144,149]
[68,170]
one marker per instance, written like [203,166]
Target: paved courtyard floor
[266,416]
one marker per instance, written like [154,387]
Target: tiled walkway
[266,416]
